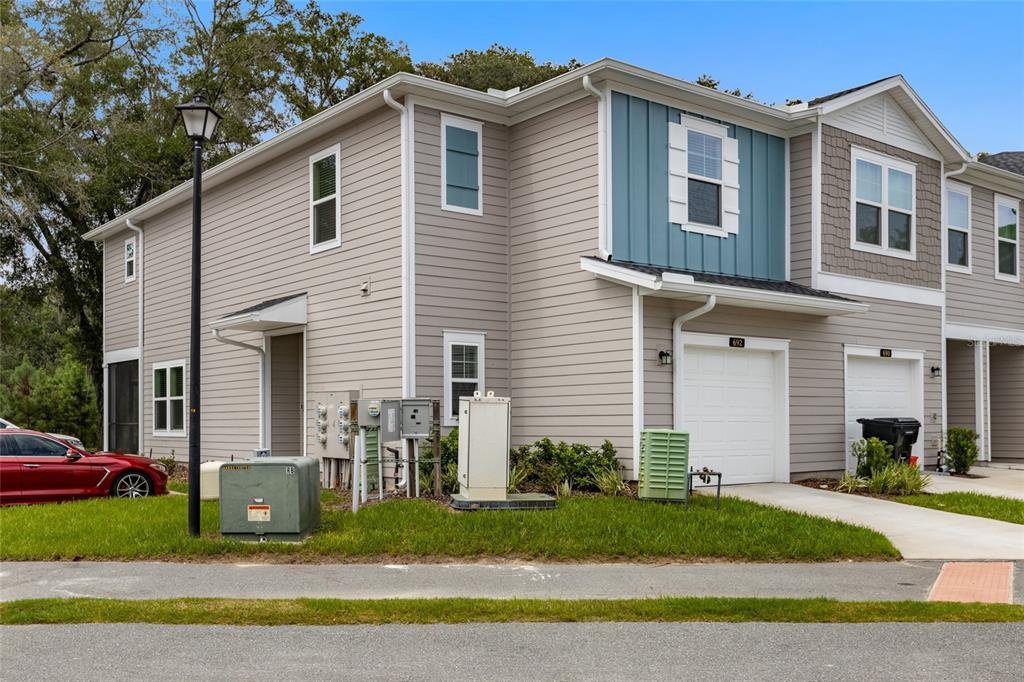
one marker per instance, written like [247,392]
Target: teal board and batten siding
[641,231]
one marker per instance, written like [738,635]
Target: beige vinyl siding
[120,298]
[1007,402]
[800,209]
[571,332]
[256,247]
[462,260]
[837,256]
[960,385]
[979,298]
[816,380]
[286,395]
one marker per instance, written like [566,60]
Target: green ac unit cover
[664,461]
[372,459]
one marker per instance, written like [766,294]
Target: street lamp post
[200,123]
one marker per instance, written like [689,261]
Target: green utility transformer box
[664,460]
[270,499]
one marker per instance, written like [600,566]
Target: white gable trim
[881,118]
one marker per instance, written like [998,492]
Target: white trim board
[122,355]
[886,291]
[967,332]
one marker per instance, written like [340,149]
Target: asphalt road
[597,651]
[151,580]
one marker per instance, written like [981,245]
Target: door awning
[287,311]
[743,292]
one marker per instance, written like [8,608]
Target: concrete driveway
[918,533]
[993,481]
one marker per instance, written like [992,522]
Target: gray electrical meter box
[416,417]
[368,413]
[271,498]
[390,421]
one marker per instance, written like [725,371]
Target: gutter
[408,249]
[677,358]
[140,253]
[263,356]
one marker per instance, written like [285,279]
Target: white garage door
[881,387]
[733,412]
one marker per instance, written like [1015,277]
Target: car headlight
[159,467]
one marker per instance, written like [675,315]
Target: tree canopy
[89,130]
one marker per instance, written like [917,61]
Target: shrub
[553,463]
[851,483]
[872,456]
[961,449]
[517,475]
[609,482]
[170,464]
[898,478]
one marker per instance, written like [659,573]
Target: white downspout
[408,253]
[139,273]
[603,246]
[677,358]
[263,353]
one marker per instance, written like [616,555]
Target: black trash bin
[900,432]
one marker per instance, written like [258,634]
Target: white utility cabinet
[484,422]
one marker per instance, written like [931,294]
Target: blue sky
[965,59]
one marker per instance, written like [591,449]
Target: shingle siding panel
[837,255]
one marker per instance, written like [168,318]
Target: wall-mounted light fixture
[936,372]
[664,357]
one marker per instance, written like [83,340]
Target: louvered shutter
[677,173]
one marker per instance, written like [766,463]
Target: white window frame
[460,338]
[166,401]
[711,129]
[133,260]
[335,151]
[960,188]
[1009,202]
[478,128]
[887,163]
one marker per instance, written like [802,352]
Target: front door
[123,406]
[286,420]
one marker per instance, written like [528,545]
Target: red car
[37,467]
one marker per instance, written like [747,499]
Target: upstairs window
[462,165]
[325,200]
[703,165]
[958,227]
[169,399]
[1007,239]
[129,259]
[463,370]
[883,204]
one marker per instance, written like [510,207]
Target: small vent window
[129,260]
[325,213]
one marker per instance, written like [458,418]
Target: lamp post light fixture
[200,121]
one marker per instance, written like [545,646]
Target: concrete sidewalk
[918,533]
[992,481]
[149,580]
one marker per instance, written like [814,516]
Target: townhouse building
[615,249]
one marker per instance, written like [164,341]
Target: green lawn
[341,611]
[581,528]
[973,504]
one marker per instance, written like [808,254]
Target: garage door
[880,387]
[732,411]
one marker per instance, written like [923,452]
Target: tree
[327,58]
[497,67]
[707,81]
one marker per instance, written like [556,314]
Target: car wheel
[132,484]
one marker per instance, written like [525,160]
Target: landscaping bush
[961,449]
[872,456]
[897,478]
[550,464]
[609,482]
[851,483]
